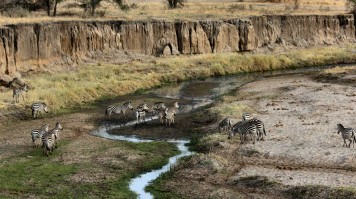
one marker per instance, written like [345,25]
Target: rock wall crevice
[25,47]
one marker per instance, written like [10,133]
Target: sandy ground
[301,148]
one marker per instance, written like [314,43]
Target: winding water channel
[198,96]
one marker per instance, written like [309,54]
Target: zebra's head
[59,126]
[129,106]
[176,105]
[45,107]
[339,128]
[24,87]
[145,106]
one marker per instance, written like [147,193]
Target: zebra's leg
[23,98]
[345,144]
[350,143]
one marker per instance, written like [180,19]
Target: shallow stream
[197,93]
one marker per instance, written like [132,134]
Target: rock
[5,80]
[25,47]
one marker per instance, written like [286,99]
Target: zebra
[170,113]
[48,142]
[140,116]
[118,109]
[16,92]
[141,111]
[156,108]
[259,125]
[347,134]
[234,130]
[244,128]
[225,125]
[38,107]
[56,130]
[38,133]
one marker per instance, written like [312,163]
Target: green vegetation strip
[34,175]
[69,90]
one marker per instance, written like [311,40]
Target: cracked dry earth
[302,147]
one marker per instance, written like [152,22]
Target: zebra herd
[47,137]
[247,126]
[165,114]
[256,128]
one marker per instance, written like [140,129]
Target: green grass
[33,174]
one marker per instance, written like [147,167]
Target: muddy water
[195,94]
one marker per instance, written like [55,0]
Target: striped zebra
[156,108]
[225,125]
[244,128]
[16,92]
[48,142]
[38,107]
[56,130]
[118,109]
[141,111]
[170,113]
[259,125]
[234,130]
[36,134]
[347,134]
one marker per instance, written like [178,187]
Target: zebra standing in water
[141,112]
[36,134]
[225,125]
[170,113]
[118,109]
[156,108]
[259,125]
[347,134]
[38,107]
[16,92]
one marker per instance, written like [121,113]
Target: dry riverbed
[302,156]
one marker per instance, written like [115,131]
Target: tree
[351,4]
[172,4]
[55,6]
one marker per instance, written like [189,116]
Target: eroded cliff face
[25,47]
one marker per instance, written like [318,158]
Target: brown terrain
[302,156]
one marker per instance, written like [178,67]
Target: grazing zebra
[170,113]
[245,128]
[225,125]
[48,142]
[234,130]
[347,134]
[38,107]
[118,109]
[259,125]
[16,92]
[36,134]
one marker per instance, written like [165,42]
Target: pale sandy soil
[302,147]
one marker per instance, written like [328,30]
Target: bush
[16,11]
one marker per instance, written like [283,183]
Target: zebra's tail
[353,144]
[106,112]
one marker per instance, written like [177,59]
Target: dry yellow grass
[65,90]
[193,10]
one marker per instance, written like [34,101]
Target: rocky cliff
[26,47]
